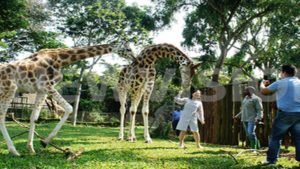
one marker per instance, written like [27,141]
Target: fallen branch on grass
[71,155]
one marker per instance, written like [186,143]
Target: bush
[95,116]
[162,131]
[113,121]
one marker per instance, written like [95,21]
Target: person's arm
[259,109]
[180,100]
[238,115]
[201,113]
[264,89]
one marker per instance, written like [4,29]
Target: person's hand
[258,121]
[265,83]
[235,118]
[202,121]
[180,92]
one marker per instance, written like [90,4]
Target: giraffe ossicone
[39,73]
[138,79]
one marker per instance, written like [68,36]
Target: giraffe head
[123,49]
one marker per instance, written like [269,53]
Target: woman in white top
[192,111]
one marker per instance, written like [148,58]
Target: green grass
[103,150]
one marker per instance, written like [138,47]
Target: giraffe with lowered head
[39,73]
[138,79]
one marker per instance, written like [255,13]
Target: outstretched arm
[263,87]
[180,100]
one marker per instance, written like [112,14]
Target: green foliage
[163,64]
[94,116]
[162,131]
[13,15]
[110,76]
[94,22]
[103,150]
[22,28]
[274,39]
[43,40]
[216,26]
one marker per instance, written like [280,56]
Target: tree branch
[232,12]
[221,14]
[246,23]
[216,9]
[241,67]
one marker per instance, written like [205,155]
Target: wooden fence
[220,128]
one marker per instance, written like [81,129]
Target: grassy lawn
[103,150]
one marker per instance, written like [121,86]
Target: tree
[22,28]
[274,40]
[93,22]
[13,16]
[215,24]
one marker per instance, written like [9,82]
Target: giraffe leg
[145,109]
[122,98]
[68,110]
[145,112]
[131,134]
[136,97]
[4,103]
[39,100]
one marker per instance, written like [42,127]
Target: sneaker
[264,163]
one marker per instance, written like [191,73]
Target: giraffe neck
[65,56]
[152,53]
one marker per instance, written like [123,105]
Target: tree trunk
[216,74]
[77,96]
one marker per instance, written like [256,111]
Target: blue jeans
[250,127]
[283,123]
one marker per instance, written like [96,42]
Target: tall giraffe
[138,79]
[38,74]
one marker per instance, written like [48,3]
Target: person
[175,119]
[192,111]
[287,92]
[251,113]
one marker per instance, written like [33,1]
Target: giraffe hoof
[15,153]
[148,141]
[43,143]
[120,138]
[133,139]
[31,150]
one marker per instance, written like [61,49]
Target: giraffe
[39,73]
[138,79]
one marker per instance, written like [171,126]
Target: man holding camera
[287,92]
